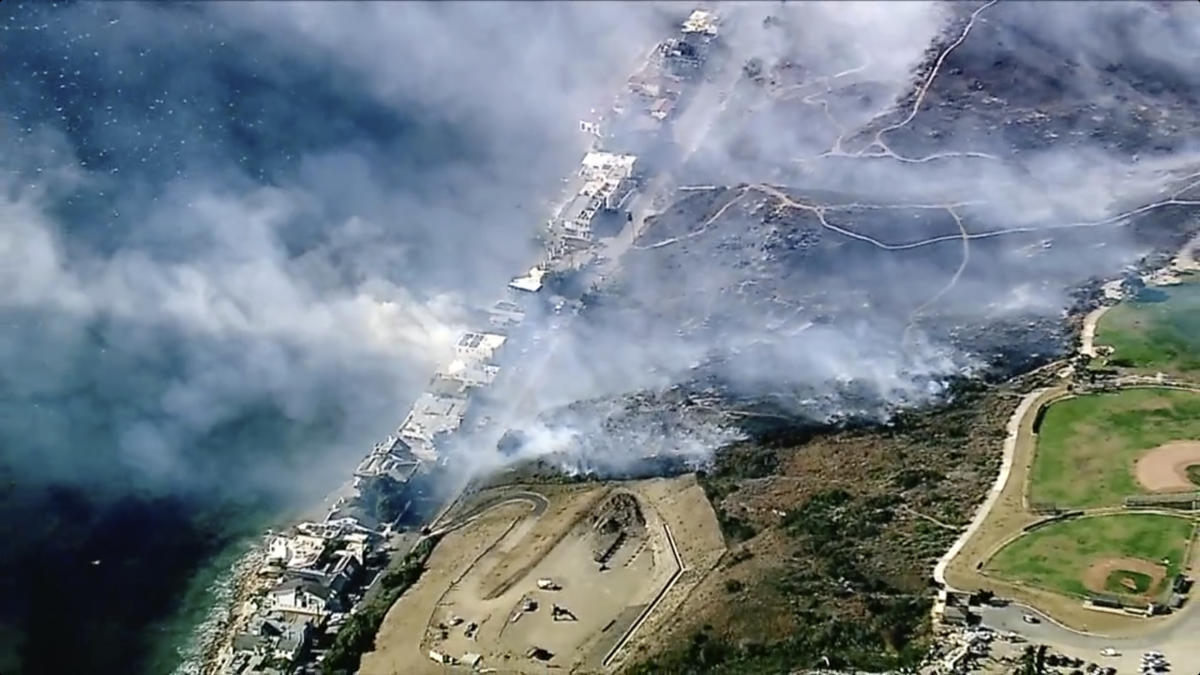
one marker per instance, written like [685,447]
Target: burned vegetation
[832,539]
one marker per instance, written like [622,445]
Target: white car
[1109,651]
[1029,618]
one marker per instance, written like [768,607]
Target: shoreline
[233,588]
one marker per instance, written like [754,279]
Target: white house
[301,596]
[479,346]
[471,373]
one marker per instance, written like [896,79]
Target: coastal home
[295,551]
[245,662]
[431,417]
[479,346]
[605,180]
[506,314]
[338,573]
[303,597]
[470,372]
[275,635]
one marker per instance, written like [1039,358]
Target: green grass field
[1056,556]
[1158,330]
[1193,474]
[1087,446]
[1120,582]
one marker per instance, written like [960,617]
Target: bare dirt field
[398,644]
[1097,575]
[684,508]
[604,549]
[1164,469]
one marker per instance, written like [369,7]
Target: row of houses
[314,573]
[602,185]
[654,91]
[606,180]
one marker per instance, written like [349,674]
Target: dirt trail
[905,340]
[1087,337]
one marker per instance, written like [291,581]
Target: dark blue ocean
[224,275]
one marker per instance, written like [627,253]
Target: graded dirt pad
[543,537]
[1164,469]
[604,549]
[398,643]
[1096,577]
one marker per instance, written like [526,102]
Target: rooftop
[467,372]
[305,585]
[480,344]
[531,282]
[507,306]
[432,415]
[444,385]
[602,163]
[701,21]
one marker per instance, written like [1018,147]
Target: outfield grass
[1087,446]
[1056,556]
[1158,330]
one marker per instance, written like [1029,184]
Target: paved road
[1178,639]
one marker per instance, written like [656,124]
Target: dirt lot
[605,548]
[1164,469]
[403,630]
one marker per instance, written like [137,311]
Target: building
[701,23]
[651,81]
[275,636]
[606,179]
[244,662]
[506,314]
[445,385]
[302,597]
[479,346]
[530,282]
[680,57]
[470,373]
[392,457]
[295,551]
[662,108]
[338,573]
[431,418]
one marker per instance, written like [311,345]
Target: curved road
[537,504]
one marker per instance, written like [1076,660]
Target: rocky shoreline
[213,638]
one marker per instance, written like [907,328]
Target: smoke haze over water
[236,238]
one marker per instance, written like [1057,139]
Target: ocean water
[178,361]
[223,276]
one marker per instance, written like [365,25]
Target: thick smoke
[305,246]
[307,198]
[237,237]
[1039,133]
